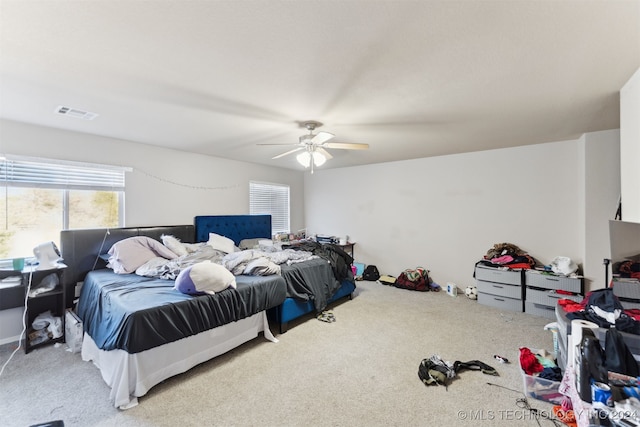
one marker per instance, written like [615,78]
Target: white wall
[164,187]
[630,148]
[444,213]
[601,187]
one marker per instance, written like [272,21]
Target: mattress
[135,313]
[132,375]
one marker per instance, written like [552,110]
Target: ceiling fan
[313,146]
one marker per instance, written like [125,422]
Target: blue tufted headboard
[235,227]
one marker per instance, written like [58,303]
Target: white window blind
[272,199]
[40,173]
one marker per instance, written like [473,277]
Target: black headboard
[80,249]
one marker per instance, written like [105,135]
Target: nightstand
[51,300]
[348,248]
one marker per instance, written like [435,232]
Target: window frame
[279,217]
[64,175]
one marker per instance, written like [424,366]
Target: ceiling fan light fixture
[304,159]
[305,139]
[312,147]
[318,158]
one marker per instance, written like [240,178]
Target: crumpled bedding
[254,262]
[248,262]
[162,268]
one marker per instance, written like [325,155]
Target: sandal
[326,316]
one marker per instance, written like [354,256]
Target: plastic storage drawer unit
[542,292]
[499,288]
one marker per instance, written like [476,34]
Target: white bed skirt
[132,375]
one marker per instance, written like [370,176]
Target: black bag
[434,370]
[591,365]
[371,273]
[618,357]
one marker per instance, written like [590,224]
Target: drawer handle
[554,296]
[499,287]
[552,279]
[498,299]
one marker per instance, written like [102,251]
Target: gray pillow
[129,254]
[249,243]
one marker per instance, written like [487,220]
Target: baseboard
[9,340]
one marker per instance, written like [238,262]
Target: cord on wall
[24,323]
[192,187]
[100,250]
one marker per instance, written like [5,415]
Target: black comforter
[311,280]
[340,260]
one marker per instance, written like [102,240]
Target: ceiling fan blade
[347,146]
[277,144]
[322,137]
[324,153]
[288,152]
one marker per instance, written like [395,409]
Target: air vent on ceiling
[74,112]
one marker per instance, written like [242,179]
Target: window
[272,199]
[40,197]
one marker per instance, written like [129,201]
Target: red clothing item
[515,266]
[529,362]
[633,313]
[570,306]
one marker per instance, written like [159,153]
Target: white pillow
[221,243]
[174,244]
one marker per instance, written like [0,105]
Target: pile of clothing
[604,309]
[540,364]
[434,370]
[508,255]
[627,269]
[45,326]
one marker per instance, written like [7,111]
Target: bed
[299,301]
[140,331]
[154,342]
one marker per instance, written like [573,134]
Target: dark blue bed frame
[239,227]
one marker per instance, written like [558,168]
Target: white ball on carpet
[471,292]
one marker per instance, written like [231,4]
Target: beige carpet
[359,371]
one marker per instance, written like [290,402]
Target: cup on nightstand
[18,264]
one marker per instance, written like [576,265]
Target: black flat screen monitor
[624,237]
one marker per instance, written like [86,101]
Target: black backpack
[371,273]
[618,357]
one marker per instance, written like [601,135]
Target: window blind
[272,199]
[40,173]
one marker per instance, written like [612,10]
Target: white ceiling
[410,78]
